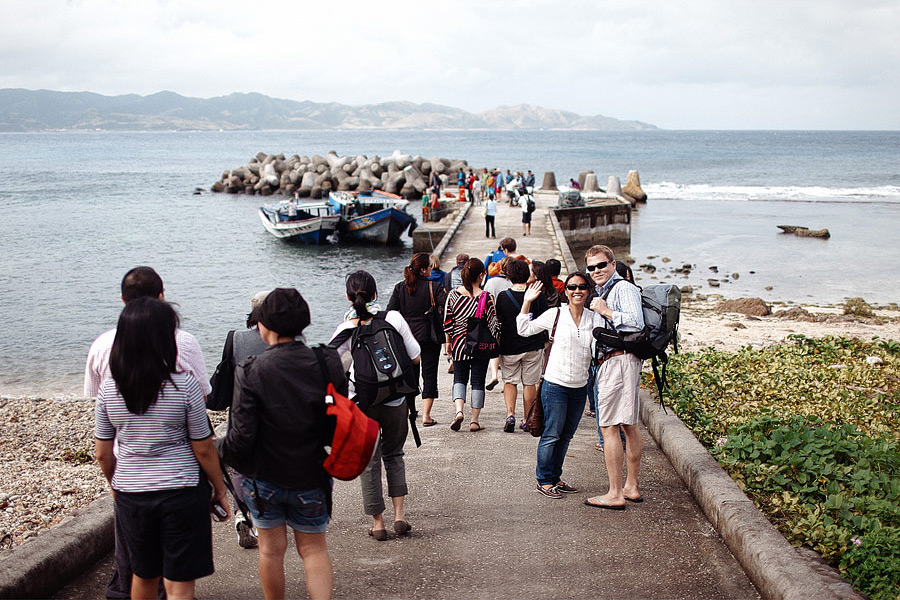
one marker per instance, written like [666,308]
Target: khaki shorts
[522,368]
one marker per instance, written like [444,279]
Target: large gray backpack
[661,306]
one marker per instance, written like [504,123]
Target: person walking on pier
[277,433]
[462,304]
[490,213]
[164,459]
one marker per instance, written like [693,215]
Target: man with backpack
[618,379]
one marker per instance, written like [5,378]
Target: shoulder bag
[480,342]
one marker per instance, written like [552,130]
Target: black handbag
[480,342]
[435,322]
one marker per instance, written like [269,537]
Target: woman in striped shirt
[462,302]
[156,418]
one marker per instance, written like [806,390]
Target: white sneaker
[246,535]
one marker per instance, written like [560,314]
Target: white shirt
[190,360]
[625,301]
[397,322]
[497,285]
[570,357]
[490,208]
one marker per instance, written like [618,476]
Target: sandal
[475,426]
[430,423]
[457,422]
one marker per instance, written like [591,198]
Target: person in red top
[555,267]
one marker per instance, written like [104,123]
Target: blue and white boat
[377,217]
[306,222]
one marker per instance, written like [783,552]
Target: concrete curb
[568,259]
[445,241]
[771,563]
[38,568]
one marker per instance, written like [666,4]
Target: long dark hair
[144,352]
[472,273]
[411,272]
[361,289]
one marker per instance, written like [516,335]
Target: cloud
[697,63]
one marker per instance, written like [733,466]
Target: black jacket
[414,306]
[278,429]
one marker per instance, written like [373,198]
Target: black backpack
[382,368]
[531,206]
[661,305]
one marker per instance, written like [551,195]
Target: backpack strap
[482,302]
[512,298]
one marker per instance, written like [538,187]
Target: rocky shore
[46,450]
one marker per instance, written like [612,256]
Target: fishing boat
[306,222]
[377,217]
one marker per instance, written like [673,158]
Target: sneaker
[510,426]
[550,492]
[246,537]
[565,488]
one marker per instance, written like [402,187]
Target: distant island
[43,110]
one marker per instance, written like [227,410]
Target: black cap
[284,311]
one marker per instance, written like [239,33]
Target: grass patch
[809,429]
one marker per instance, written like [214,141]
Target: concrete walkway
[480,530]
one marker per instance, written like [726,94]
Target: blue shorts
[305,511]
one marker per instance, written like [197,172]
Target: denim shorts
[270,506]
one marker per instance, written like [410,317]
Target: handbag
[435,323]
[222,380]
[355,434]
[480,342]
[534,421]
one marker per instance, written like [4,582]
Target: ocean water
[77,210]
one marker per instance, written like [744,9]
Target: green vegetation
[858,307]
[809,430]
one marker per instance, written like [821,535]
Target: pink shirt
[190,360]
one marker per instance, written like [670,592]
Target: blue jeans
[563,407]
[461,368]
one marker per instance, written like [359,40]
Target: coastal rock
[800,231]
[858,307]
[796,313]
[713,282]
[648,268]
[582,177]
[613,186]
[549,182]
[590,183]
[633,187]
[746,306]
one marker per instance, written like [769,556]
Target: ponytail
[411,272]
[361,290]
[471,274]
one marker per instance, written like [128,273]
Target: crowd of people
[155,444]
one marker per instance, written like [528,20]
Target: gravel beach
[47,445]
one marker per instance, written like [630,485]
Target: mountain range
[44,110]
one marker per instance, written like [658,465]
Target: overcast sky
[679,64]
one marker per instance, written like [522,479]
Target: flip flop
[457,422]
[401,527]
[431,423]
[379,534]
[493,383]
[635,500]
[602,504]
[475,426]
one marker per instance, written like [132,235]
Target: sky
[678,64]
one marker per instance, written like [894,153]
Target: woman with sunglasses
[564,390]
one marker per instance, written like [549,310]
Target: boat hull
[383,227]
[307,231]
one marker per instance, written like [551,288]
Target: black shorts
[526,217]
[168,532]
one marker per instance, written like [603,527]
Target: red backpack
[355,434]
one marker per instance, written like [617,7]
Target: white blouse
[570,357]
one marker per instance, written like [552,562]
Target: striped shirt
[153,450]
[456,319]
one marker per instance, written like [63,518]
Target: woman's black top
[414,306]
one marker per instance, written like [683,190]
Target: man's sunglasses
[599,265]
[576,286]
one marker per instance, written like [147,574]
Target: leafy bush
[858,307]
[810,431]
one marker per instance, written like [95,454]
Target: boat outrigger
[375,217]
[306,222]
